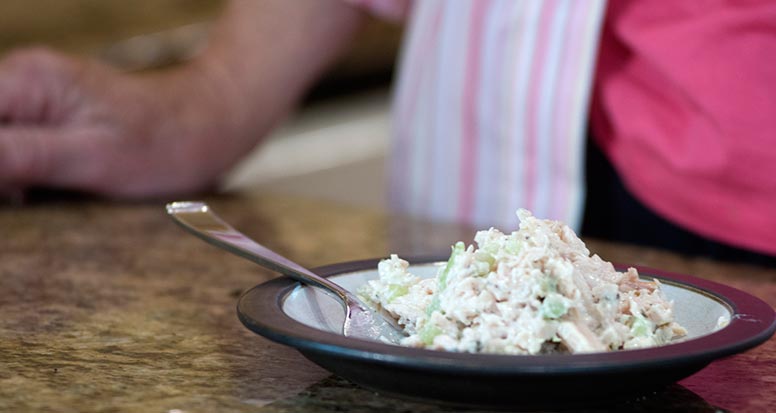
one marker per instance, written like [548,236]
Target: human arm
[77,124]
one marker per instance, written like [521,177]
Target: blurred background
[334,146]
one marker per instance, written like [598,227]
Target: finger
[47,156]
[33,84]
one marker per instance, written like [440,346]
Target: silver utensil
[360,321]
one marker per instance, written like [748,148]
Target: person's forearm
[77,124]
[264,54]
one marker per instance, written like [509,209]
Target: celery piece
[434,306]
[512,245]
[490,247]
[554,306]
[548,285]
[640,326]
[458,248]
[428,333]
[395,291]
[485,257]
[485,262]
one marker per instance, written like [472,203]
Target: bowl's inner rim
[260,310]
[644,273]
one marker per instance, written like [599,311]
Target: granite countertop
[111,307]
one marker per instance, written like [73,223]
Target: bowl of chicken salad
[513,317]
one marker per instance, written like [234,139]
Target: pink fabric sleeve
[393,10]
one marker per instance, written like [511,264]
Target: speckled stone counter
[111,307]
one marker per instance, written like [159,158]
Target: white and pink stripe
[490,108]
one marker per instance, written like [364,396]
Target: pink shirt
[492,104]
[685,107]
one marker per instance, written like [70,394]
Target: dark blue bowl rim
[753,322]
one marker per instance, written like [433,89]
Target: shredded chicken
[536,290]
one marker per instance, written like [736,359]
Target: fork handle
[199,219]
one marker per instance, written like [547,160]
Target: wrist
[203,97]
[192,114]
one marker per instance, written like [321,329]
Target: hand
[75,124]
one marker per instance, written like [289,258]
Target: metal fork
[360,320]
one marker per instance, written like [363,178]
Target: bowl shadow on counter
[337,394]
